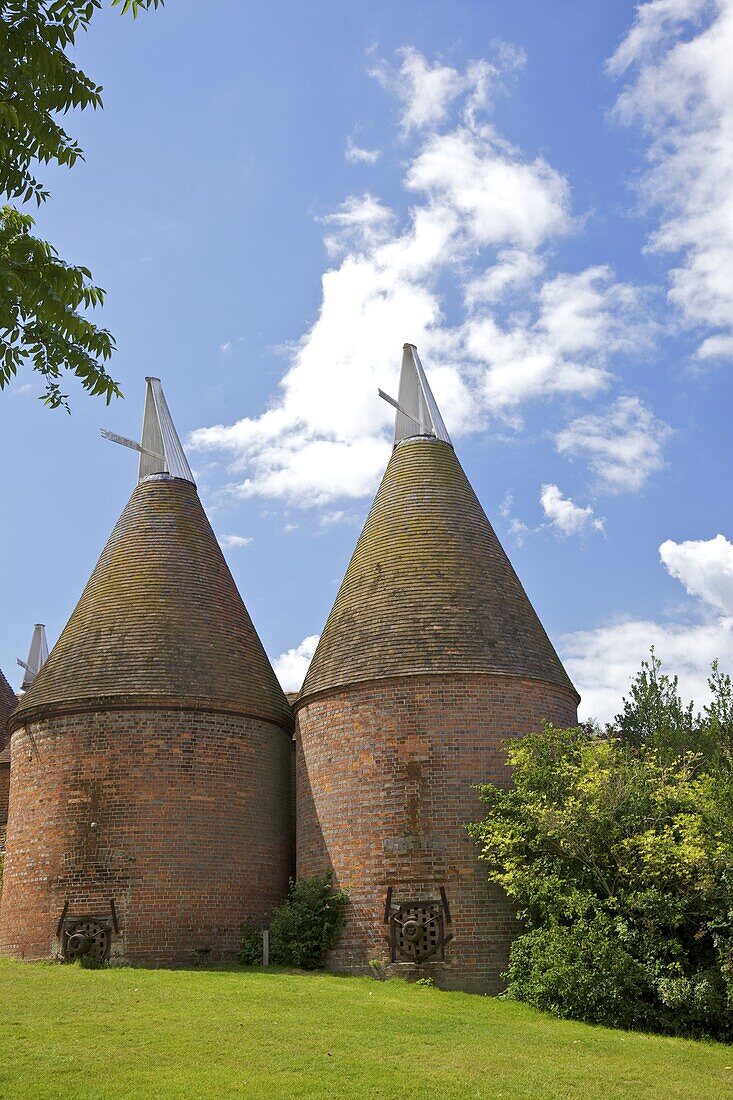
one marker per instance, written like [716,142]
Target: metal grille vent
[417,928]
[88,936]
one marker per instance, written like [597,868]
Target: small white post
[265,947]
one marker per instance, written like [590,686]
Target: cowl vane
[160,448]
[37,656]
[417,409]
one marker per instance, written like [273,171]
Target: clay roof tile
[429,588]
[160,621]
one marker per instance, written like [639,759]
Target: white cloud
[498,196]
[513,270]
[581,321]
[705,568]
[483,216]
[229,345]
[333,519]
[426,91]
[602,662]
[233,542]
[356,155]
[677,60]
[291,666]
[517,529]
[590,312]
[624,445]
[567,517]
[359,225]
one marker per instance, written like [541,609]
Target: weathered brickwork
[153,761]
[4,785]
[385,776]
[183,817]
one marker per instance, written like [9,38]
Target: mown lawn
[68,1032]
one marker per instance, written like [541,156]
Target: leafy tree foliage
[617,847]
[42,298]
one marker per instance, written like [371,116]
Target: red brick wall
[192,836]
[384,784]
[4,790]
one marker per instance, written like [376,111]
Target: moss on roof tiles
[160,620]
[429,588]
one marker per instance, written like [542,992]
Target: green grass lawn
[68,1032]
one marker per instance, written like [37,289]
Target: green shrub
[378,969]
[617,847]
[579,972]
[90,962]
[250,953]
[308,924]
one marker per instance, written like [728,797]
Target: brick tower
[431,658]
[150,801]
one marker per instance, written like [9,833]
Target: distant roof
[8,698]
[429,588]
[160,621]
[8,703]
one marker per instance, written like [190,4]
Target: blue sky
[277,196]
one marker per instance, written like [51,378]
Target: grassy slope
[67,1032]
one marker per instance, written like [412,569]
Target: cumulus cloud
[234,542]
[602,662]
[495,195]
[485,217]
[514,269]
[567,517]
[359,225]
[705,568]
[580,321]
[624,444]
[356,155]
[291,666]
[677,62]
[427,90]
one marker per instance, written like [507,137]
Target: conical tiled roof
[8,702]
[160,621]
[429,588]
